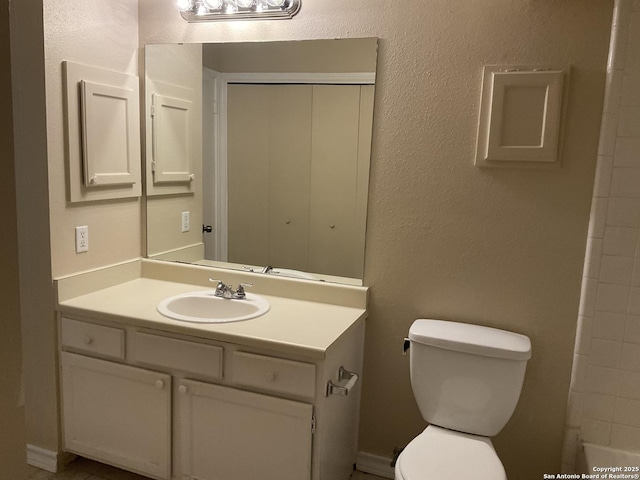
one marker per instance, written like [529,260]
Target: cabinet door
[298,170]
[269,162]
[231,434]
[117,413]
[336,187]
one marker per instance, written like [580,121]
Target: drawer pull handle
[343,374]
[88,340]
[159,384]
[182,389]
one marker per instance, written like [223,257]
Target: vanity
[256,172]
[275,397]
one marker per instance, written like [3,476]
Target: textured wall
[445,239]
[604,402]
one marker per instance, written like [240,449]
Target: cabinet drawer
[88,337]
[274,374]
[190,357]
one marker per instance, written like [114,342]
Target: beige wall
[168,66]
[12,435]
[446,239]
[105,35]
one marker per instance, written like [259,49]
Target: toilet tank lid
[474,339]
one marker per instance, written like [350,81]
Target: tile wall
[604,400]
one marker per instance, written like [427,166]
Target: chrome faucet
[226,291]
[267,269]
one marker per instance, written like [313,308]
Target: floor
[83,469]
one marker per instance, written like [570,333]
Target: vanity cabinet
[180,407]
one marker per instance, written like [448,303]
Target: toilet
[466,380]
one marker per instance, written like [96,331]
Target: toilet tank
[467,377]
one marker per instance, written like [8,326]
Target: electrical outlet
[82,239]
[185,221]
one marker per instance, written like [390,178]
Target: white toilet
[466,380]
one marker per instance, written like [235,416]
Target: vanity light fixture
[205,10]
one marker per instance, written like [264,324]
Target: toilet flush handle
[406,345]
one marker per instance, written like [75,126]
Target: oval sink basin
[205,307]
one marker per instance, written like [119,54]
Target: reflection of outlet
[82,239]
[185,222]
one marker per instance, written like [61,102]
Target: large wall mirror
[257,155]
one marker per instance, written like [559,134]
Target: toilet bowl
[441,454]
[467,381]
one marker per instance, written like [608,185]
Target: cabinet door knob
[88,340]
[159,384]
[182,389]
[271,376]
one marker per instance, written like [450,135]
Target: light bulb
[276,3]
[183,5]
[244,3]
[213,4]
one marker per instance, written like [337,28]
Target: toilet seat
[441,454]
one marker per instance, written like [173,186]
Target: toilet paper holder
[406,345]
[343,374]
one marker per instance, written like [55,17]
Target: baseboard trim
[374,464]
[48,460]
[53,461]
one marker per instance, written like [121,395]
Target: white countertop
[294,326]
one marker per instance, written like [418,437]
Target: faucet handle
[240,291]
[220,288]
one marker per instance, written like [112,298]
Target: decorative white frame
[222,81]
[96,160]
[214,199]
[73,75]
[490,151]
[159,105]
[152,87]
